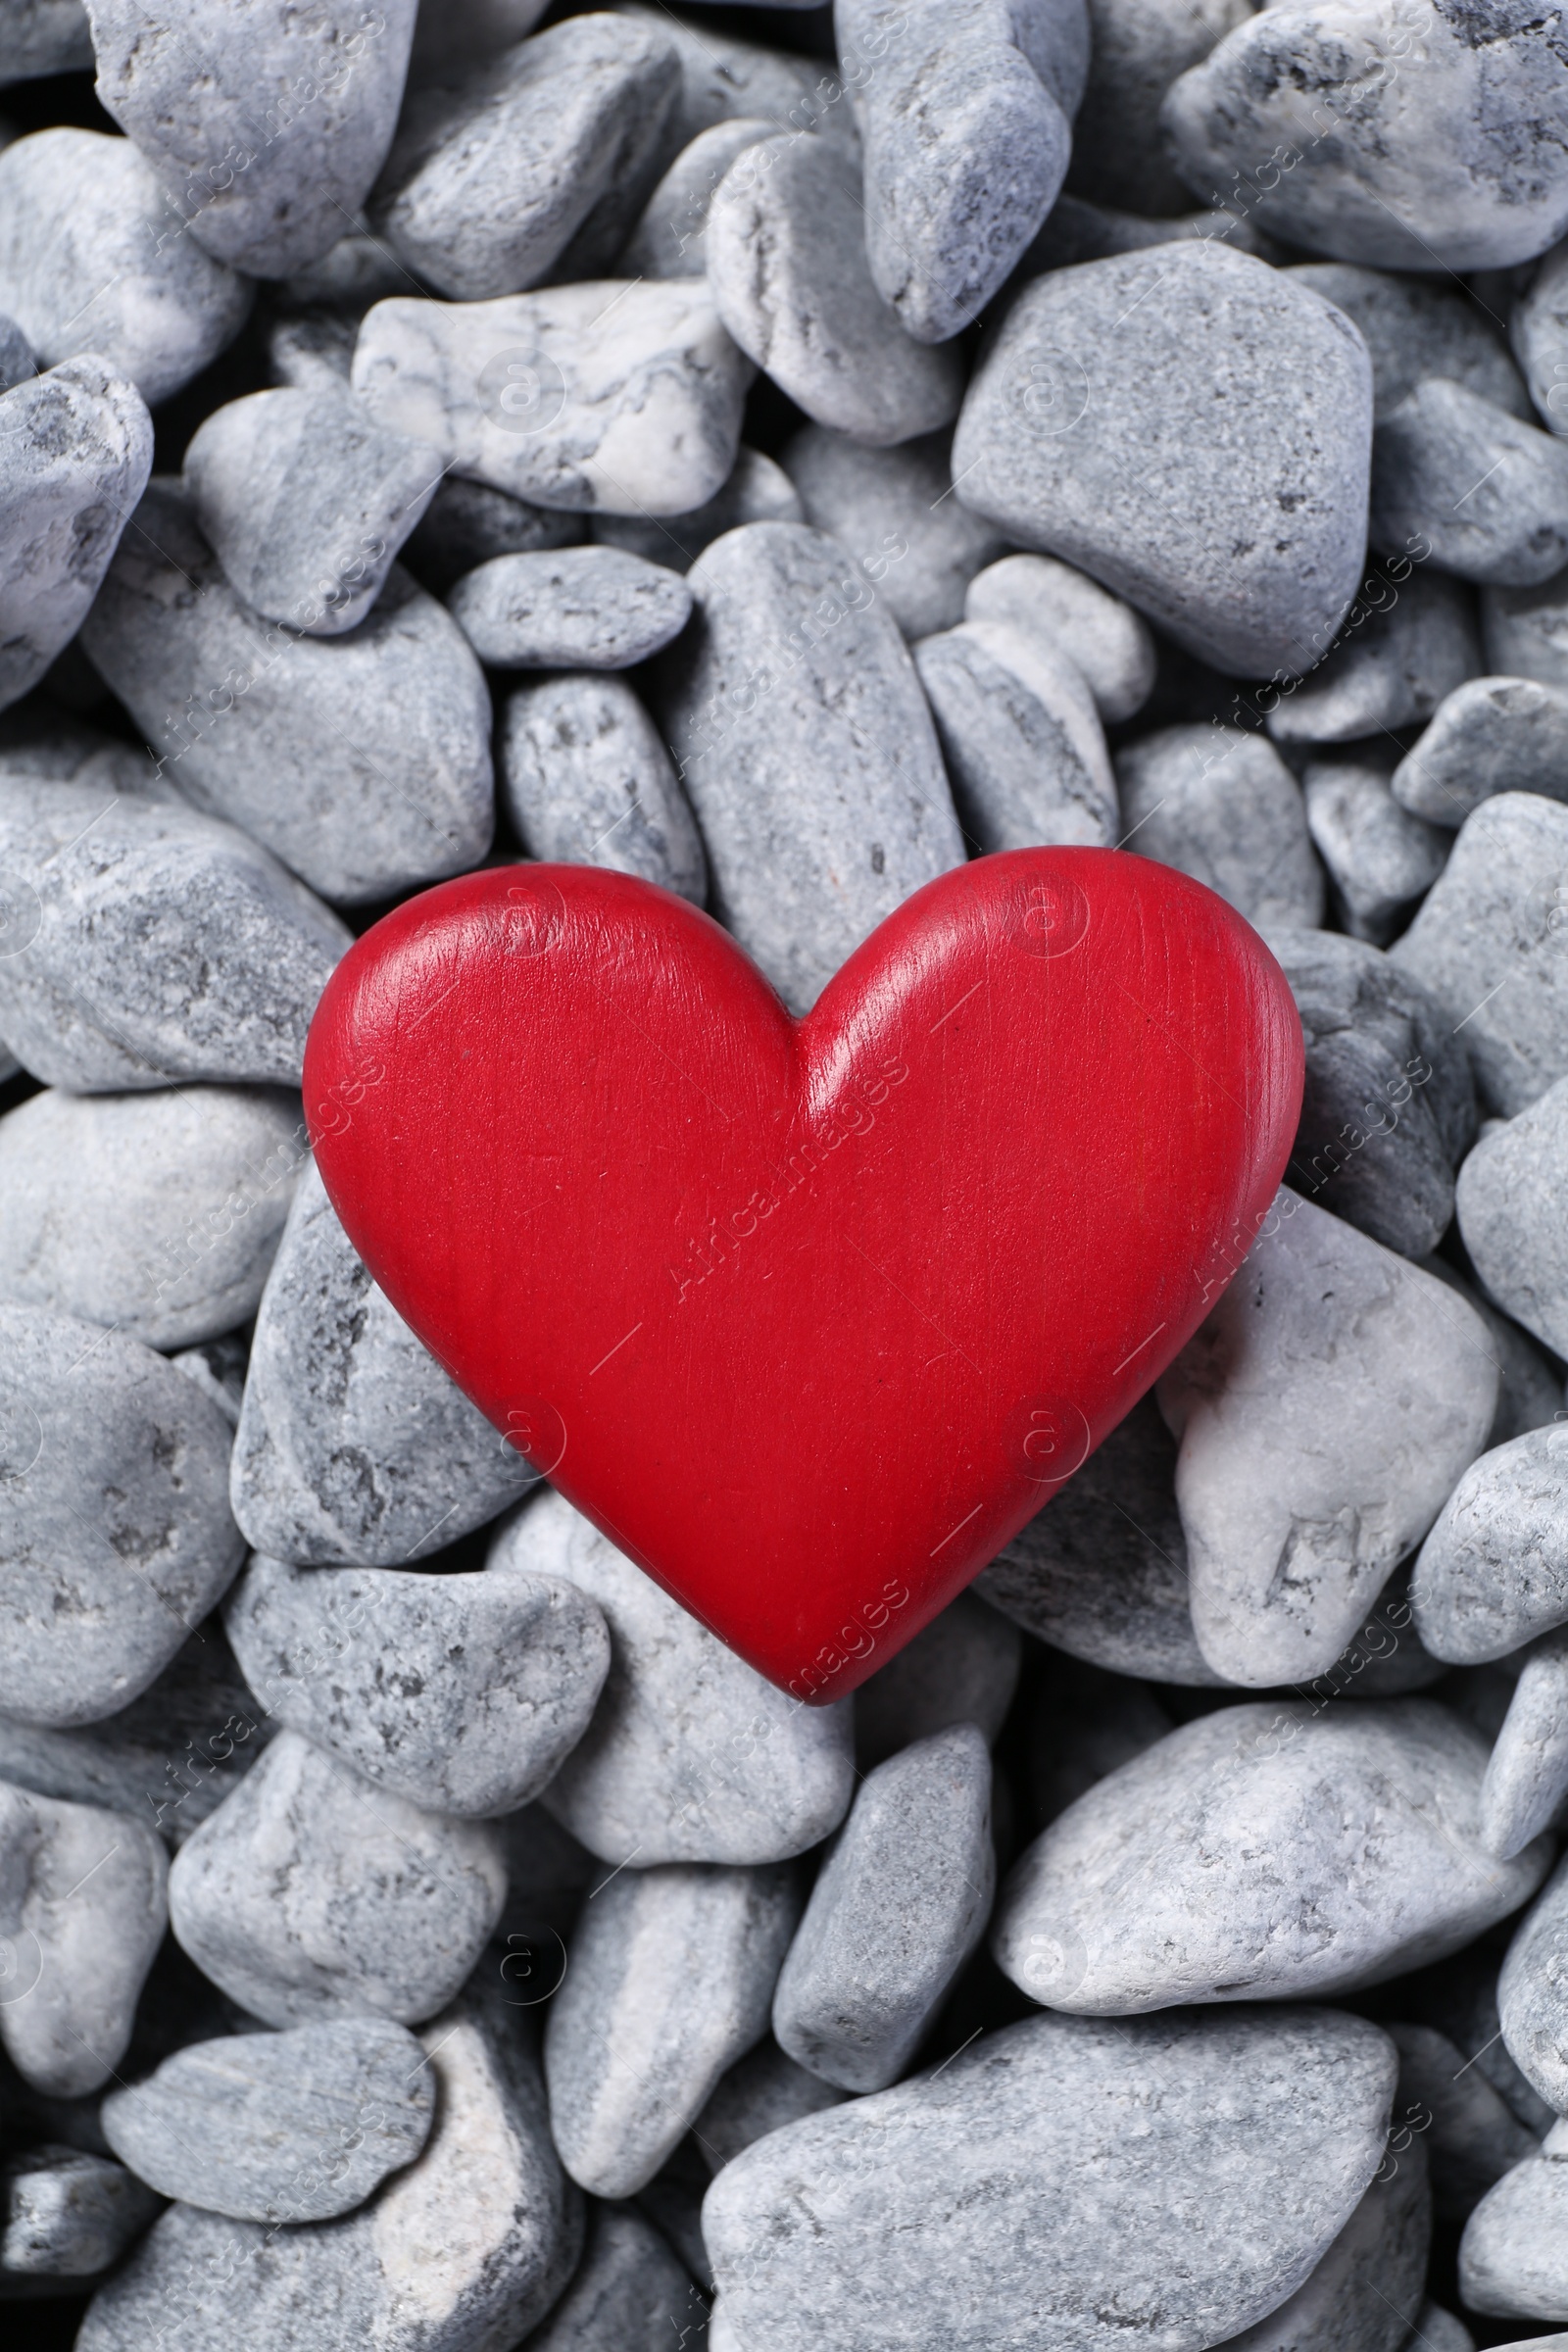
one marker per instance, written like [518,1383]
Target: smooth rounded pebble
[68,2216]
[1527,1774]
[1021,737]
[154,1213]
[311,1893]
[1053,605]
[1511,1215]
[1459,480]
[1415,327]
[1190,428]
[1367,2290]
[583,608]
[586,780]
[1213,1867]
[690,1755]
[1490,735]
[1510,2257]
[1494,1572]
[1379,859]
[894,510]
[1219,804]
[1025,2210]
[1529,1993]
[962,1667]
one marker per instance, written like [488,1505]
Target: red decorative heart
[808,1316]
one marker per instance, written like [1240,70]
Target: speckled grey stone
[1366,2292]
[1419,326]
[1055,605]
[808,749]
[895,511]
[1208,1868]
[1137,49]
[756,491]
[305,502]
[1491,735]
[899,1905]
[1493,1571]
[1486,944]
[1389,1109]
[82,1910]
[362,763]
[1511,1215]
[467,524]
[354,1446]
[690,1755]
[1026,2210]
[961,1668]
[761,2093]
[965,114]
[460,1693]
[722,78]
[1537,330]
[672,1971]
[1458,478]
[65,2217]
[93,260]
[787,265]
[1526,1776]
[1525,631]
[586,780]
[1021,738]
[1471,2136]
[464,2249]
[154,1213]
[584,608]
[114,1527]
[1511,2257]
[75,446]
[311,1893]
[611,396]
[295,2127]
[1406,645]
[165,946]
[1402,158]
[669,238]
[265,126]
[1324,1410]
[628,2294]
[1379,859]
[1191,429]
[1219,804]
[44,37]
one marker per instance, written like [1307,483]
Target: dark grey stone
[1380,859]
[1525,631]
[1471,2134]
[961,1668]
[1137,49]
[465,524]
[1405,646]
[44,37]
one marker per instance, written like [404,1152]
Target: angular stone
[1403,648]
[311,1893]
[669,239]
[1210,1869]
[756,491]
[362,763]
[1527,1774]
[1025,2212]
[1460,480]
[154,1214]
[1389,1109]
[1525,631]
[1491,735]
[532,163]
[1511,2255]
[1471,2136]
[617,397]
[690,1755]
[1415,327]
[1055,605]
[585,779]
[263,127]
[1511,1215]
[806,744]
[305,502]
[294,2127]
[628,2293]
[1485,945]
[165,946]
[1368,2288]
[465,524]
[1220,804]
[787,265]
[66,2216]
[1324,1411]
[894,510]
[92,261]
[77,1959]
[1137,49]
[961,1668]
[1192,430]
[1494,1572]
[585,608]
[354,1446]
[1025,755]
[672,1972]
[761,2093]
[1380,859]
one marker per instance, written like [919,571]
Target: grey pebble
[75,1962]
[1137,49]
[1055,605]
[586,780]
[1530,1994]
[295,2127]
[311,1893]
[464,2249]
[65,2217]
[1219,804]
[1325,1409]
[808,749]
[165,946]
[1494,1572]
[671,1977]
[305,502]
[467,524]
[1404,648]
[760,2094]
[1026,2210]
[1460,1999]
[895,511]
[1470,2133]
[1485,944]
[1025,753]
[1192,430]
[756,491]
[1525,631]
[669,239]
[1388,1107]
[723,78]
[1415,327]
[154,1213]
[1511,1215]
[265,127]
[1490,735]
[114,1528]
[582,608]
[361,761]
[962,1668]
[812,317]
[462,1693]
[899,1903]
[1529,1385]
[690,1755]
[355,1447]
[1456,477]
[1527,1774]
[1207,1869]
[1510,2257]
[628,2293]
[75,446]
[91,260]
[44,37]
[1380,859]
[1366,2294]
[620,398]
[1537,330]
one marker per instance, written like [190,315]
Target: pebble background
[779,452]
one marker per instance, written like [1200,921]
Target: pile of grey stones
[779,459]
